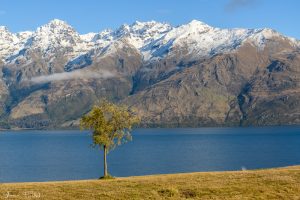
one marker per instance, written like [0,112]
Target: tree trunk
[105,163]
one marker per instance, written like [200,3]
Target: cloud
[2,12]
[234,5]
[71,75]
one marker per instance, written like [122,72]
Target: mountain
[189,75]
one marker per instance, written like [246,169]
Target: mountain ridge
[138,28]
[189,75]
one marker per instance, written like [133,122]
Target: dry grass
[283,183]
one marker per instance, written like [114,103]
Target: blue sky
[96,15]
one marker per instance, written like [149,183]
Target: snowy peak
[7,37]
[191,30]
[58,22]
[56,28]
[9,42]
[56,33]
[153,39]
[140,34]
[88,37]
[194,28]
[3,29]
[196,25]
[103,39]
[24,35]
[149,30]
[149,27]
[51,38]
[5,34]
[197,39]
[56,25]
[259,37]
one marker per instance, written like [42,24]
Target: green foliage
[111,124]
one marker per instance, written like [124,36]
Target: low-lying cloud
[71,75]
[234,5]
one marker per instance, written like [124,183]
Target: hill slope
[283,183]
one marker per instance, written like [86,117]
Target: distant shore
[147,127]
[277,183]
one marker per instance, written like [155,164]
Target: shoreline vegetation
[276,183]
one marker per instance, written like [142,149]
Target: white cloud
[71,75]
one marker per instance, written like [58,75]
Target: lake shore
[158,126]
[277,183]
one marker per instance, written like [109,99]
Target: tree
[111,125]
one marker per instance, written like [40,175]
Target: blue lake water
[67,155]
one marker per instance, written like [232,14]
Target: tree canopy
[111,125]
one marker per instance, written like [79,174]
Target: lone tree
[111,125]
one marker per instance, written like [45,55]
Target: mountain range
[185,76]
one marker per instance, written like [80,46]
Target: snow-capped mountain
[140,34]
[153,39]
[189,74]
[9,43]
[201,40]
[49,38]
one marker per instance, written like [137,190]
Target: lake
[67,155]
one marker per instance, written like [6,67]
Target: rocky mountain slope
[190,75]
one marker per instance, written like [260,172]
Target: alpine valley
[186,76]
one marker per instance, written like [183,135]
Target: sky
[95,15]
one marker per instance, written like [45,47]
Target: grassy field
[282,183]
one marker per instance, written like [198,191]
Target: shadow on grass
[107,177]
